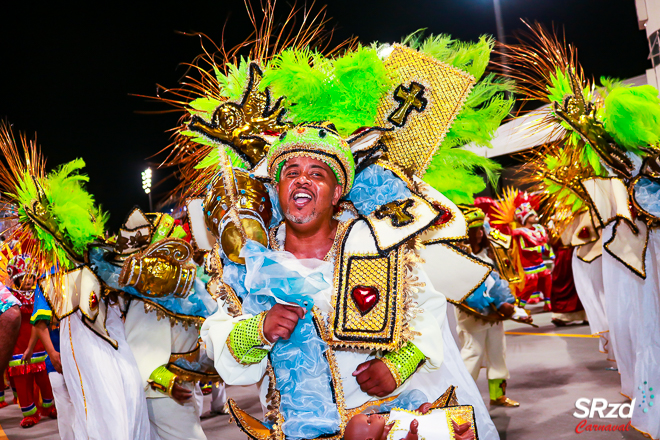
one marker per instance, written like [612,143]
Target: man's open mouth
[301,198]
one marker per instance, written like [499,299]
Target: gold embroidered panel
[368,302]
[421,108]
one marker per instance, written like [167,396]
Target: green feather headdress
[57,218]
[344,86]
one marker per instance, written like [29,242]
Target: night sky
[68,72]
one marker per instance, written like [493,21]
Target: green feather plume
[346,90]
[453,173]
[69,209]
[469,57]
[481,115]
[632,116]
[232,83]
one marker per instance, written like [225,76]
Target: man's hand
[507,309]
[180,393]
[412,434]
[375,378]
[280,321]
[56,361]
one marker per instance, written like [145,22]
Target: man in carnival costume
[480,316]
[600,177]
[57,223]
[296,309]
[316,236]
[147,275]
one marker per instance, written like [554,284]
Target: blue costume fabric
[7,300]
[498,294]
[42,312]
[647,195]
[302,372]
[376,186]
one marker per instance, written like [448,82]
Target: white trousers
[588,279]
[482,343]
[66,413]
[633,312]
[104,383]
[174,421]
[218,397]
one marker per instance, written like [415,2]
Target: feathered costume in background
[57,217]
[503,218]
[600,170]
[595,131]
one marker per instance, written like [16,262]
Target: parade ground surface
[551,368]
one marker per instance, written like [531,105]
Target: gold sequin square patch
[379,327]
[421,108]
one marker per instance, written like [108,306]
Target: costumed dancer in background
[480,316]
[27,367]
[165,302]
[57,223]
[10,325]
[48,333]
[566,305]
[333,183]
[515,215]
[600,175]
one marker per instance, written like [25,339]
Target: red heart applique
[365,298]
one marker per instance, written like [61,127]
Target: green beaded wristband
[162,379]
[403,362]
[245,340]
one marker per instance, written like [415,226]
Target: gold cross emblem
[397,212]
[496,235]
[409,99]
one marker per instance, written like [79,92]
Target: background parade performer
[27,367]
[480,324]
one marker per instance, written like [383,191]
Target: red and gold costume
[529,246]
[25,373]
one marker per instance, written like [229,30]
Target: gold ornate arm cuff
[262,337]
[162,379]
[403,362]
[246,339]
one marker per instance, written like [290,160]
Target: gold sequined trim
[262,337]
[273,398]
[620,260]
[73,353]
[394,370]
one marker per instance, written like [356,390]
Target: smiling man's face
[307,191]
